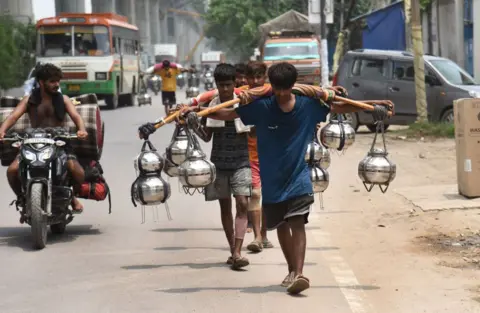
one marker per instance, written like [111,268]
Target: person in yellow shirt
[168,72]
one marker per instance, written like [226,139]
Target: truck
[291,38]
[212,58]
[165,51]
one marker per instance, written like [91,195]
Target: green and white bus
[105,56]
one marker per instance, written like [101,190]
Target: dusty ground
[424,261]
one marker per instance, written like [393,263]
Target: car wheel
[447,116]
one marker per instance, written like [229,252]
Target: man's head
[240,78]
[256,74]
[282,77]
[49,76]
[166,64]
[224,75]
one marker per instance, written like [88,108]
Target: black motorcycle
[46,184]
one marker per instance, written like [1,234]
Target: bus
[98,53]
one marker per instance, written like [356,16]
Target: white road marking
[342,273]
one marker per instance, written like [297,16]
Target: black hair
[282,75]
[255,68]
[240,68]
[166,63]
[224,72]
[48,71]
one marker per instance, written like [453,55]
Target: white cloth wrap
[239,126]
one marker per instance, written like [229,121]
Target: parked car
[383,74]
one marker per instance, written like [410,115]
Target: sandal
[229,260]
[240,262]
[255,246]
[288,280]
[267,244]
[299,284]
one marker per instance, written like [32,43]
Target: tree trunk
[342,36]
[419,64]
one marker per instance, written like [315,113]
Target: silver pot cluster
[376,168]
[144,99]
[149,189]
[192,92]
[318,159]
[337,134]
[186,160]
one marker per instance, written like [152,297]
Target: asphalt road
[113,263]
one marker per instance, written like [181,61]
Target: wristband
[329,95]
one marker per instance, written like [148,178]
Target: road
[113,263]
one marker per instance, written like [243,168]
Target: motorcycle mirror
[60,143]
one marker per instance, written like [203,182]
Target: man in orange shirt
[256,74]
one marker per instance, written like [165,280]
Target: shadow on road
[259,289]
[227,249]
[19,237]
[199,266]
[179,230]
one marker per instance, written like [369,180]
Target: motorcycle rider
[46,107]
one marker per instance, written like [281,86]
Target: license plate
[73,87]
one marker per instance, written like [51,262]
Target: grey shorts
[236,183]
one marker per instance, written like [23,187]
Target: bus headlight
[101,76]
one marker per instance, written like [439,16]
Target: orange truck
[291,38]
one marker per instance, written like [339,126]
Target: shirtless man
[46,107]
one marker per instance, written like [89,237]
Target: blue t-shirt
[282,143]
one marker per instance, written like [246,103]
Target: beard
[52,91]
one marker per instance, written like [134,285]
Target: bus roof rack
[291,33]
[110,16]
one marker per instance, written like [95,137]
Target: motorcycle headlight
[29,155]
[208,75]
[45,155]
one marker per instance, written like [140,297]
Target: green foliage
[16,54]
[234,24]
[426,129]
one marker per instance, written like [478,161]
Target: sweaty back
[282,142]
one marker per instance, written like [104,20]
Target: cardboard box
[467,142]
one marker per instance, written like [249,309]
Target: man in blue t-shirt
[284,124]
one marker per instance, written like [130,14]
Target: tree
[234,24]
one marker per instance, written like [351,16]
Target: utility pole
[407,7]
[324,43]
[419,64]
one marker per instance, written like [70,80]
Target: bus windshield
[291,51]
[87,40]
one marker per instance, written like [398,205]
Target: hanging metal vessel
[377,169]
[150,190]
[320,178]
[176,152]
[337,135]
[319,154]
[196,171]
[148,161]
[169,168]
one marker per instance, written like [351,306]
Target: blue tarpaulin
[385,29]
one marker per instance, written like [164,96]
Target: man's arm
[346,108]
[76,118]
[19,110]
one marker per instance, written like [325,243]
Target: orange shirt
[252,146]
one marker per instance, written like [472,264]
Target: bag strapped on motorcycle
[94,178]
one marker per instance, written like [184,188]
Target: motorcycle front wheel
[37,200]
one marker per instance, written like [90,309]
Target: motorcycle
[46,185]
[155,83]
[208,80]
[193,83]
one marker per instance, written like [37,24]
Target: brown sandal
[240,262]
[299,284]
[255,246]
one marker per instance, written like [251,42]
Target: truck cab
[299,48]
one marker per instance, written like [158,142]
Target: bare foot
[77,205]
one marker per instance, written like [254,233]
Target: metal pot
[336,135]
[144,99]
[196,171]
[169,168]
[150,190]
[177,150]
[377,169]
[148,161]
[319,154]
[192,92]
[320,179]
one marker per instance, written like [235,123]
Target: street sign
[314,11]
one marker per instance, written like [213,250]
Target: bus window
[56,41]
